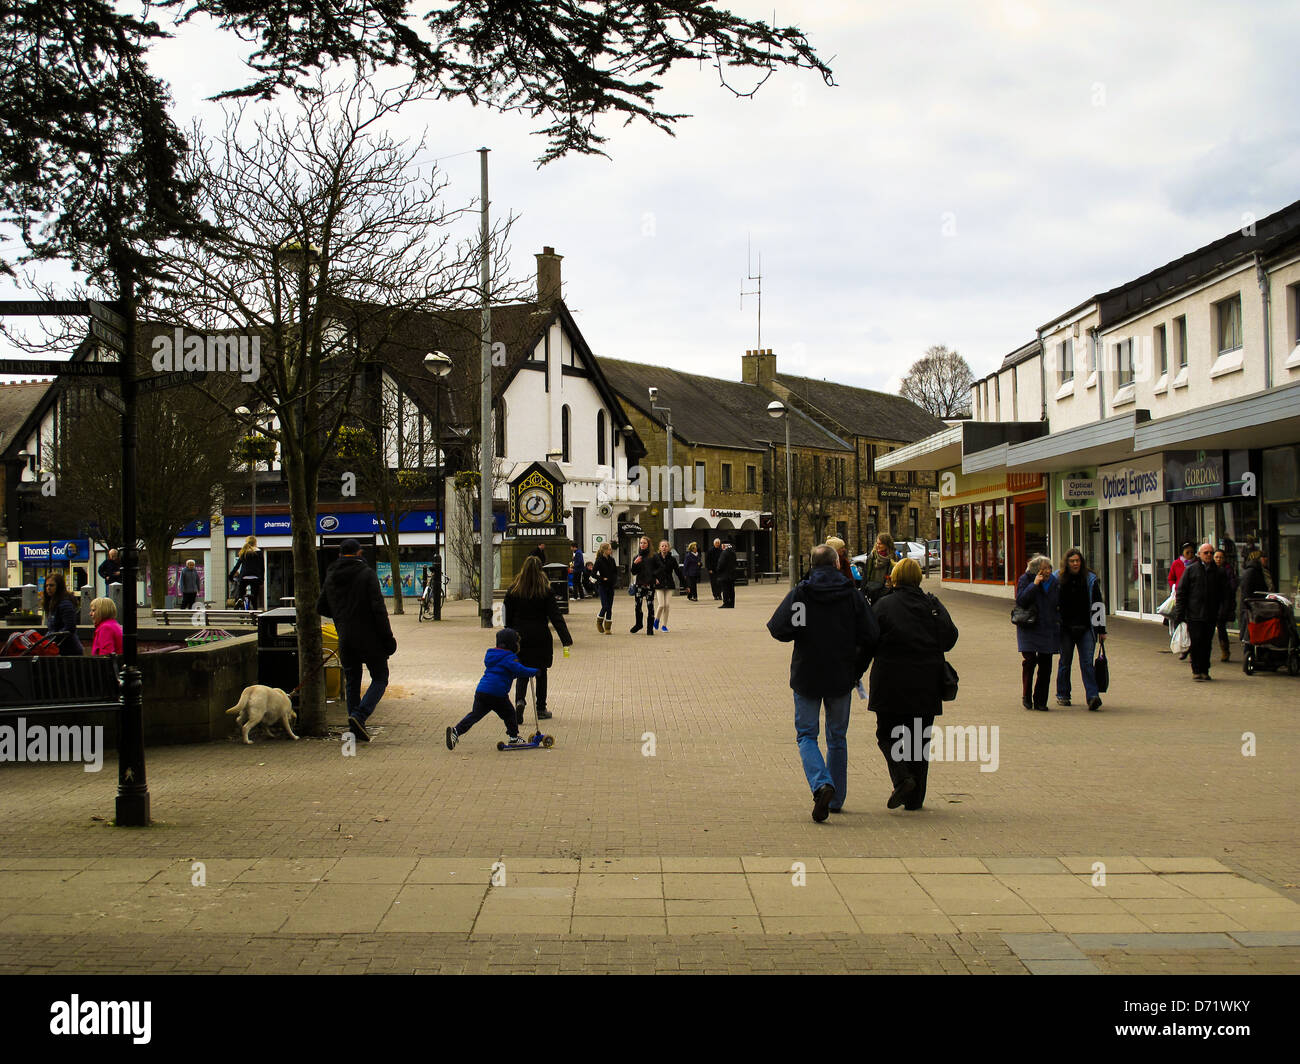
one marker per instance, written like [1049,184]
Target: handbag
[949,677]
[1025,617]
[1101,669]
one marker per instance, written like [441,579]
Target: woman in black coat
[529,608]
[61,615]
[907,679]
[643,587]
[663,568]
[691,569]
[606,583]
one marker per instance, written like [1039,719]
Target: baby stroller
[1270,638]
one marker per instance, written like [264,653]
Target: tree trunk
[306,593]
[158,553]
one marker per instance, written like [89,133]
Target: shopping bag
[1166,608]
[1101,669]
[1180,641]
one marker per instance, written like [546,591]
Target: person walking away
[501,666]
[189,584]
[907,680]
[727,576]
[834,635]
[111,570]
[1038,588]
[665,568]
[61,615]
[711,558]
[1083,626]
[643,586]
[606,585]
[531,610]
[578,566]
[108,633]
[880,563]
[691,569]
[841,556]
[1225,611]
[250,570]
[1201,593]
[350,595]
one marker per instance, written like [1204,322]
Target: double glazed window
[1124,362]
[1228,323]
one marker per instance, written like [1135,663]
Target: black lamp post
[439,366]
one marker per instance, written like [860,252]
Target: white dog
[267,706]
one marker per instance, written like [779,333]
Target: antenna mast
[758,292]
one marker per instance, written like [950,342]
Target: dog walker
[537,738]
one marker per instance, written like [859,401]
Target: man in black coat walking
[1202,596]
[111,570]
[727,576]
[834,635]
[711,564]
[351,596]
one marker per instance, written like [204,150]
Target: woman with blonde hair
[529,608]
[665,567]
[250,571]
[907,680]
[841,556]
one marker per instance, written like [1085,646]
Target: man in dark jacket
[577,565]
[111,570]
[727,576]
[351,596]
[1201,597]
[834,635]
[711,557]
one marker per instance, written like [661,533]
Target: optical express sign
[1136,483]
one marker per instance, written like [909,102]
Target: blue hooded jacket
[501,666]
[1045,637]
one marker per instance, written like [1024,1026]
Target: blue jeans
[1086,642]
[807,725]
[359,707]
[606,602]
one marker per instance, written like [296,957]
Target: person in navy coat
[1038,587]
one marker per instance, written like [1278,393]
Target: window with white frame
[1180,340]
[1227,317]
[1124,362]
[1065,355]
[1160,341]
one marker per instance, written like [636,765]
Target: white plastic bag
[1179,640]
[1166,608]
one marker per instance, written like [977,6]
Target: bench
[57,684]
[760,577]
[205,617]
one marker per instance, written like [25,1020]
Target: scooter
[537,738]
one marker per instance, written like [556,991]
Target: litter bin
[277,649]
[558,574]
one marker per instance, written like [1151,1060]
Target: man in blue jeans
[351,595]
[834,636]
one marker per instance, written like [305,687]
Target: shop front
[1077,518]
[1215,498]
[1280,482]
[991,525]
[742,528]
[1138,528]
[38,559]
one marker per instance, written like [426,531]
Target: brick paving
[683,861]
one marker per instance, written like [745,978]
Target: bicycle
[426,596]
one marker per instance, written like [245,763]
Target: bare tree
[328,245]
[939,383]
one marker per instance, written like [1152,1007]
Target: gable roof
[17,403]
[711,412]
[863,412]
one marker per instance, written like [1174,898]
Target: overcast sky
[980,168]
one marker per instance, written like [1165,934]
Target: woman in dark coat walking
[529,608]
[691,570]
[907,680]
[61,615]
[606,583]
[1038,588]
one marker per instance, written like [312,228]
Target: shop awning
[1266,419]
[687,516]
[1097,443]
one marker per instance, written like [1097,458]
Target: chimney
[548,277]
[758,367]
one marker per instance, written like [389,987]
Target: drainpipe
[1261,275]
[1099,360]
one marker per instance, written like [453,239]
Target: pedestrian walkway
[669,829]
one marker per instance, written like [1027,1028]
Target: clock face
[536,506]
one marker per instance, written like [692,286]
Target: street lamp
[438,366]
[777,409]
[672,494]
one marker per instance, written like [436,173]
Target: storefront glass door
[1127,597]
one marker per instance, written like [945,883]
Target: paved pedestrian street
[669,828]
